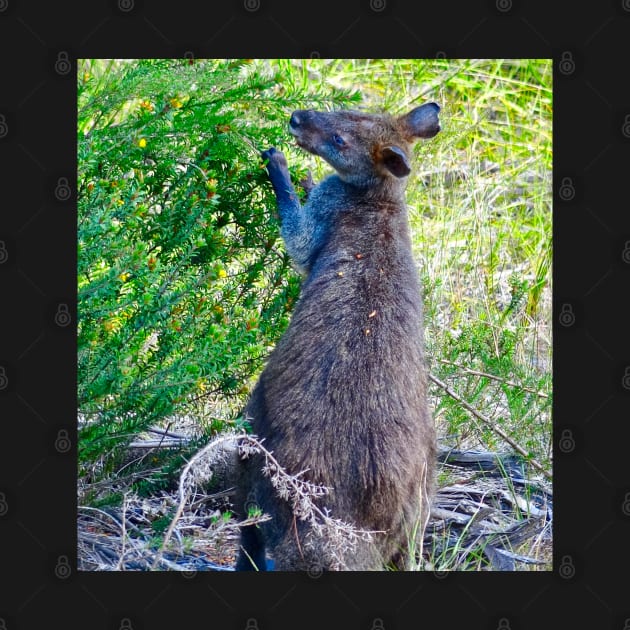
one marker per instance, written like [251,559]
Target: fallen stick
[500,432]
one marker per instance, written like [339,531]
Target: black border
[591,354]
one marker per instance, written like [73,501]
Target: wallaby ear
[395,161]
[422,122]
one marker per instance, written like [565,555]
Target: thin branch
[167,433]
[495,378]
[123,534]
[500,432]
[183,494]
[99,511]
[162,443]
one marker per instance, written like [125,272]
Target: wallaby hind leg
[251,556]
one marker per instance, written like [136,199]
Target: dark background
[39,45]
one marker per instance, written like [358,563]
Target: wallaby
[343,396]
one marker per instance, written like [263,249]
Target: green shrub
[183,284]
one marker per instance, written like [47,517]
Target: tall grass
[480,207]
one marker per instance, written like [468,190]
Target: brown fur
[343,395]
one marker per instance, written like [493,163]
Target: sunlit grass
[480,211]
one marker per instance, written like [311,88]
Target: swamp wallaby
[343,396]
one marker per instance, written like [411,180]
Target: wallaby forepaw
[307,183]
[274,157]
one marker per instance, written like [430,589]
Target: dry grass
[480,520]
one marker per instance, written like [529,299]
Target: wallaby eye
[338,140]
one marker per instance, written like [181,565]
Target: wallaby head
[364,148]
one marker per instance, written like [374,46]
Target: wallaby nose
[301,118]
[296,119]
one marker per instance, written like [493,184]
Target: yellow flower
[142,143]
[111,325]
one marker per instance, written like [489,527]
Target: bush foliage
[182,282]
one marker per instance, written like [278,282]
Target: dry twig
[498,430]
